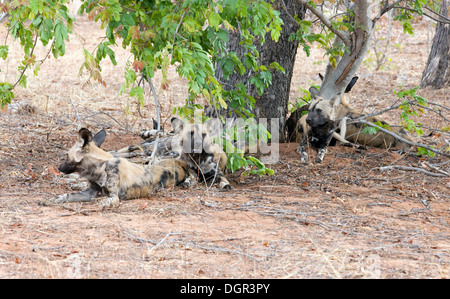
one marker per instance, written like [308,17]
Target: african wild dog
[292,121]
[115,178]
[193,144]
[326,120]
[205,158]
[317,127]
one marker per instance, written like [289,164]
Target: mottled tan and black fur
[115,178]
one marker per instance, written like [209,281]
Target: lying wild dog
[115,178]
[325,121]
[205,158]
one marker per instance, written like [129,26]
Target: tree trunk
[337,78]
[273,103]
[437,71]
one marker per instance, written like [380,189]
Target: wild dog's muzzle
[67,167]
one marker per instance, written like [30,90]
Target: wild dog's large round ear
[99,138]
[314,92]
[336,99]
[177,125]
[214,126]
[85,135]
[155,124]
[321,77]
[350,85]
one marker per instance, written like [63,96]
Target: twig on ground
[409,168]
[76,113]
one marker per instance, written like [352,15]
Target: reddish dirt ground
[345,218]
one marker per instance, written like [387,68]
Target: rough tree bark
[437,71]
[273,103]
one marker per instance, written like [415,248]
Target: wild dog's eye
[319,110]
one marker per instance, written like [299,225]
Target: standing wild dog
[292,121]
[115,178]
[326,120]
[206,159]
[318,126]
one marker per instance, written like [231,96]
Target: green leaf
[370,130]
[138,92]
[227,67]
[4,51]
[214,20]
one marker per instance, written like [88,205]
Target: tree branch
[411,169]
[442,20]
[415,144]
[26,66]
[344,36]
[386,7]
[158,115]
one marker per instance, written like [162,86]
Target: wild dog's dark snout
[67,167]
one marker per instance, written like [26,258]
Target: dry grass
[342,219]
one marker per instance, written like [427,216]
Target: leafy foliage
[29,22]
[191,35]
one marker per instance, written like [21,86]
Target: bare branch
[158,115]
[411,169]
[445,19]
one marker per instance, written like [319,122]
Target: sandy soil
[345,218]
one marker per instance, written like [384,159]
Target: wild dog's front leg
[83,196]
[323,150]
[302,149]
[321,154]
[110,182]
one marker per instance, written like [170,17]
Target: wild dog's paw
[188,183]
[54,201]
[106,202]
[148,134]
[79,186]
[185,184]
[225,186]
[321,155]
[318,160]
[304,157]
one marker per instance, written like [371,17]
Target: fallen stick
[408,168]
